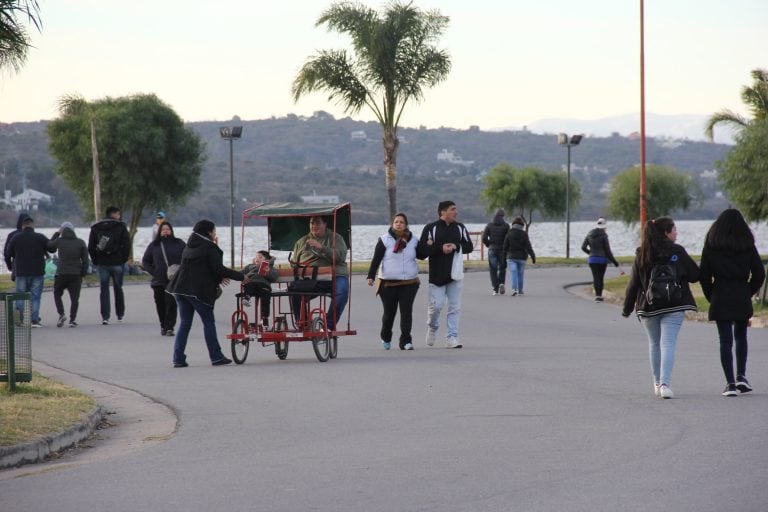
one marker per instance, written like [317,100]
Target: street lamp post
[564,140]
[231,134]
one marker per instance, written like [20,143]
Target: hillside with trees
[282,159]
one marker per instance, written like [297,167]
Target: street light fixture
[564,140]
[230,134]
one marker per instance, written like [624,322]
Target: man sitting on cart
[324,248]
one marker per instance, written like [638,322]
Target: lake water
[547,238]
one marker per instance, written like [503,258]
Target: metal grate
[16,336]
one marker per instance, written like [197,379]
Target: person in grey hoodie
[71,267]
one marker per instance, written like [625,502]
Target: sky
[513,61]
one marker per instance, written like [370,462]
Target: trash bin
[15,338]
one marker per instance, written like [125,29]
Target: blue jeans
[116,273]
[437,298]
[337,306]
[497,267]
[33,285]
[187,307]
[516,271]
[662,338]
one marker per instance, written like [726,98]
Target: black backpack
[106,242]
[664,288]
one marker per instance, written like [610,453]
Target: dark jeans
[728,332]
[263,295]
[391,298]
[598,276]
[497,266]
[187,307]
[165,305]
[71,283]
[115,272]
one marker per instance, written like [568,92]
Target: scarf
[401,239]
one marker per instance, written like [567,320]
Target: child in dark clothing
[260,273]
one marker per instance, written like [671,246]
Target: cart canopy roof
[287,222]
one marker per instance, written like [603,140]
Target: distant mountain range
[684,126]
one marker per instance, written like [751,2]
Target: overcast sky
[514,61]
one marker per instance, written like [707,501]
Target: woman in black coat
[195,287]
[731,273]
[165,250]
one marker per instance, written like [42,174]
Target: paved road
[548,407]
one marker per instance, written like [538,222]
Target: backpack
[664,289]
[106,242]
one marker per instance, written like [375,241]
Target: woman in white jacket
[398,279]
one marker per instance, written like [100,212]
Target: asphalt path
[548,407]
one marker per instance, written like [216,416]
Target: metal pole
[643,203]
[568,206]
[231,206]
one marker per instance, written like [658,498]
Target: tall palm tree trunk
[390,169]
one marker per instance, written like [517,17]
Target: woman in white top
[395,252]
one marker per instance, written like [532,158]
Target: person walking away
[72,267]
[517,248]
[109,246]
[731,273]
[6,254]
[28,251]
[163,252]
[261,273]
[394,257]
[195,286]
[493,238]
[598,248]
[661,318]
[440,241]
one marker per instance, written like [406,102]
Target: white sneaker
[665,392]
[452,343]
[408,346]
[494,292]
[656,389]
[431,337]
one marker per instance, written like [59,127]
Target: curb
[37,451]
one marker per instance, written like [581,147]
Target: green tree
[524,191]
[394,61]
[148,158]
[754,97]
[14,38]
[745,172]
[666,192]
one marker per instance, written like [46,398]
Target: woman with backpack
[731,273]
[660,294]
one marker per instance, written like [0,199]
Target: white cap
[601,223]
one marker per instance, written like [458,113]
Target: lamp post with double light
[230,134]
[568,142]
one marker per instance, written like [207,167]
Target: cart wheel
[281,349]
[321,343]
[333,349]
[240,347]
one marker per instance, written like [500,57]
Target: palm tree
[754,97]
[393,62]
[14,39]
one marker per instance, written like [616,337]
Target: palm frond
[723,117]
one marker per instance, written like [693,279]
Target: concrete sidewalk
[547,407]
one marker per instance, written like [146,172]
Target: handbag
[457,267]
[171,269]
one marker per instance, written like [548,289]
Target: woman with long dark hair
[731,273]
[662,322]
[195,288]
[398,279]
[165,250]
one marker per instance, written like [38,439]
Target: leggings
[730,332]
[598,274]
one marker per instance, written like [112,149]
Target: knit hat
[601,223]
[499,212]
[67,224]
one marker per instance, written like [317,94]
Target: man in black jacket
[28,252]
[109,246]
[493,238]
[443,240]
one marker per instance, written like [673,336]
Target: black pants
[71,283]
[166,308]
[391,298]
[730,332]
[264,296]
[598,275]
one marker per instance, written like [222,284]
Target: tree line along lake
[547,238]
